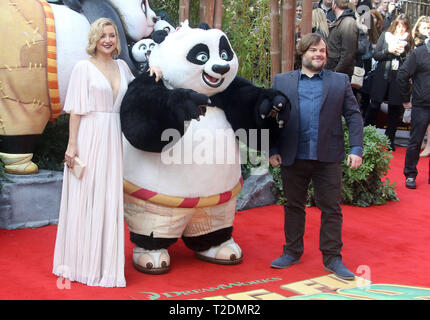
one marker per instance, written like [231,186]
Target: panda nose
[221,69]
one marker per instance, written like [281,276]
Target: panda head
[142,49]
[197,59]
[164,25]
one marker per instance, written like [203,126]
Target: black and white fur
[199,88]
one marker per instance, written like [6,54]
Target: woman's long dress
[90,238]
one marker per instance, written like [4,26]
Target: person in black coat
[417,67]
[390,52]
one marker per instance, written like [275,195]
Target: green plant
[247,24]
[52,144]
[169,10]
[364,186]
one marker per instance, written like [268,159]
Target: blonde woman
[319,22]
[89,246]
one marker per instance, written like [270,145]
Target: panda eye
[142,46]
[199,54]
[202,56]
[225,51]
[151,46]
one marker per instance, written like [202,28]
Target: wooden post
[218,14]
[306,23]
[207,8]
[275,52]
[184,10]
[288,34]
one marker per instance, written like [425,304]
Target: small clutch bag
[78,168]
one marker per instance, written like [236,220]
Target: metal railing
[415,9]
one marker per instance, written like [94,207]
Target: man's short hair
[305,43]
[342,4]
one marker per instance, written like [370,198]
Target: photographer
[394,9]
[417,68]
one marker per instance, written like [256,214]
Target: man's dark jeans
[327,183]
[420,119]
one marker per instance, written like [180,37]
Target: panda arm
[149,109]
[242,102]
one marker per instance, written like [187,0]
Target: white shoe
[151,261]
[227,252]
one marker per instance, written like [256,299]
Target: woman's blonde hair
[319,21]
[416,35]
[96,32]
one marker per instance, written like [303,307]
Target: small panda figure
[141,51]
[182,168]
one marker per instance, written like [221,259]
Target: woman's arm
[72,146]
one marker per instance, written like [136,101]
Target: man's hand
[354,161]
[275,160]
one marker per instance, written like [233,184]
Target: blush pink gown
[89,247]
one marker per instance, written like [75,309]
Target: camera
[399,7]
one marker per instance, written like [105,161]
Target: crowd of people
[377,37]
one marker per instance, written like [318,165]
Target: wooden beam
[184,10]
[218,14]
[288,34]
[207,9]
[306,23]
[275,52]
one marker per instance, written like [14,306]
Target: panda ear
[159,36]
[204,26]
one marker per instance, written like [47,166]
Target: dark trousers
[327,182]
[420,119]
[394,112]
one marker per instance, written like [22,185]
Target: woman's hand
[157,71]
[71,153]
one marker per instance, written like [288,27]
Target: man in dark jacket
[326,6]
[417,67]
[311,147]
[343,39]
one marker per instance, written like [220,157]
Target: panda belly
[204,162]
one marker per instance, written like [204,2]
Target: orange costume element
[29,95]
[148,212]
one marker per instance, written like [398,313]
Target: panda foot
[151,261]
[19,163]
[227,253]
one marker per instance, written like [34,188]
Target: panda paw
[277,108]
[189,104]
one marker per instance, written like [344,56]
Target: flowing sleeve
[77,97]
[128,75]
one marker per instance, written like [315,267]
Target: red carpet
[387,244]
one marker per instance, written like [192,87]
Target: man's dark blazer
[337,101]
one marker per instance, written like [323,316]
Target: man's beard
[308,64]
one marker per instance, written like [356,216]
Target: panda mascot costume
[181,157]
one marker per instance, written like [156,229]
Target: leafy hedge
[364,186]
[52,144]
